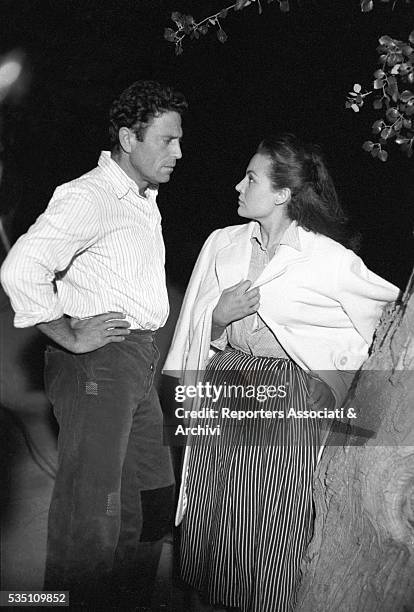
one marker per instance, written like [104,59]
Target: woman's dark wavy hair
[314,203]
[139,104]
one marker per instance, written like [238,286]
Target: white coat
[321,302]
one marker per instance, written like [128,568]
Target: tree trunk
[361,558]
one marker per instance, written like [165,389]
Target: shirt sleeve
[69,225]
[220,343]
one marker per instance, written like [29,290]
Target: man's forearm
[60,332]
[88,334]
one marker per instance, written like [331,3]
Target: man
[90,274]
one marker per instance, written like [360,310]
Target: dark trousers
[113,494]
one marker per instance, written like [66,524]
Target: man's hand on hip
[85,335]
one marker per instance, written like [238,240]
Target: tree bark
[361,558]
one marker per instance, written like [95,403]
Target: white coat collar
[233,259]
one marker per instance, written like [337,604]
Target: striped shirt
[97,248]
[251,334]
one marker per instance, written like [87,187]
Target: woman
[289,307]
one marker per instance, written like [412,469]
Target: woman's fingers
[253,298]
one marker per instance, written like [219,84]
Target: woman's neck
[272,233]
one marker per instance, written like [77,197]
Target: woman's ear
[282,196]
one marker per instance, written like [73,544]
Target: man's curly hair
[139,104]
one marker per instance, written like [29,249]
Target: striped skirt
[250,511]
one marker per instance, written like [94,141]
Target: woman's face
[257,199]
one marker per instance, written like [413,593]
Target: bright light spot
[9,73]
[12,74]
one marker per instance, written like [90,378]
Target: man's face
[153,159]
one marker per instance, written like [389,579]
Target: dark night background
[288,72]
[277,71]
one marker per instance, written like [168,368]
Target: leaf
[397,125]
[411,37]
[177,18]
[284,6]
[376,127]
[241,4]
[374,152]
[357,87]
[377,104]
[392,59]
[367,6]
[405,68]
[385,133]
[383,155]
[378,83]
[392,88]
[378,74]
[385,40]
[406,95]
[222,36]
[355,108]
[169,34]
[223,13]
[368,145]
[395,69]
[392,114]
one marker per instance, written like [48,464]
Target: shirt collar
[289,238]
[120,181]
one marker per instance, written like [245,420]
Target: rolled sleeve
[220,343]
[68,226]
